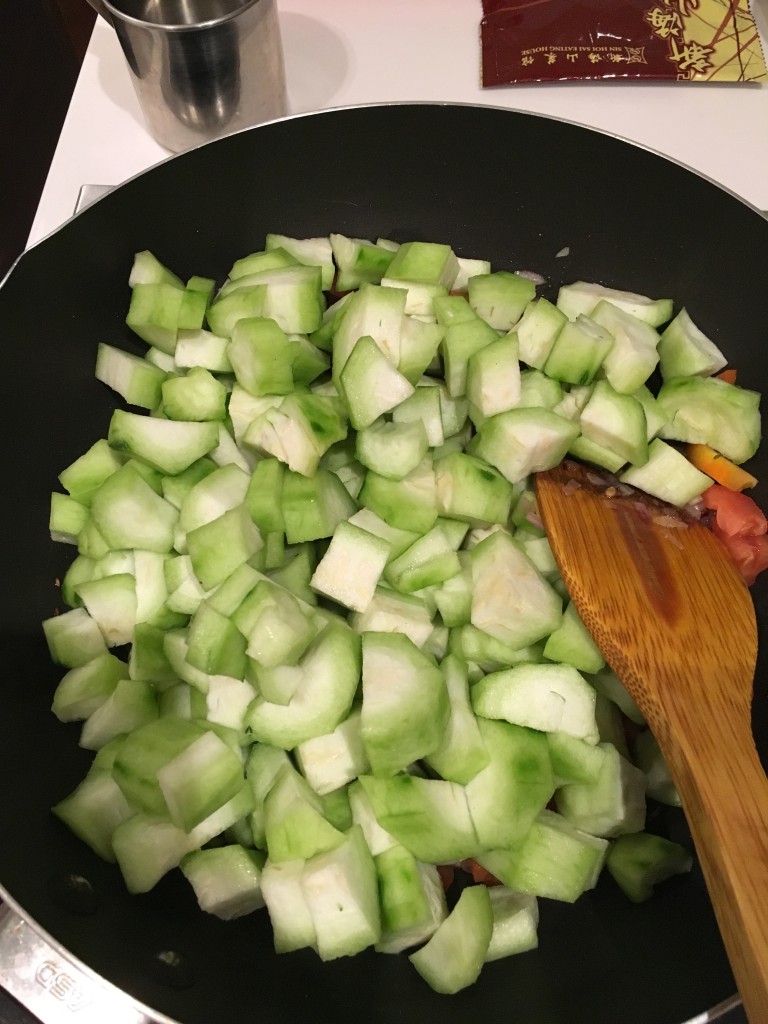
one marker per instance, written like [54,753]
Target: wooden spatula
[673,618]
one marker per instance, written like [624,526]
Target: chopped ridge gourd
[353,661]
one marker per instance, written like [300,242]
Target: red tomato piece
[479,873]
[736,514]
[446,873]
[750,553]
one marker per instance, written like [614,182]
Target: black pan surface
[511,187]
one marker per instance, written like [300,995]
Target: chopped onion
[671,522]
[531,275]
[696,509]
[673,539]
[565,251]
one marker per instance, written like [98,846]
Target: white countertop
[347,52]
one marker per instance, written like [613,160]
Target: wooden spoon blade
[673,618]
[656,589]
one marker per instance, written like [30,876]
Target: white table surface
[346,52]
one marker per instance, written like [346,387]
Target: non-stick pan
[524,191]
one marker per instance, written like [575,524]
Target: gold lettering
[691,56]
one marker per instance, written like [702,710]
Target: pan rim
[73,961]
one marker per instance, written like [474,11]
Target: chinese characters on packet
[551,55]
[668,23]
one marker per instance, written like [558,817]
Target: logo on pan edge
[61,986]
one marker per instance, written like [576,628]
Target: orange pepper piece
[719,468]
[729,376]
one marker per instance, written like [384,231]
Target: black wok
[511,187]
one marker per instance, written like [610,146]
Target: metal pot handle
[53,988]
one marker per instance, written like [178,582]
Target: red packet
[651,40]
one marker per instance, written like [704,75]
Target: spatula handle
[724,791]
